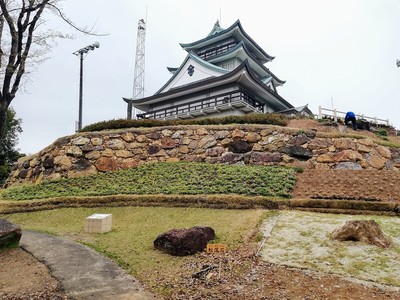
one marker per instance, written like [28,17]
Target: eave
[241,50]
[235,30]
[242,74]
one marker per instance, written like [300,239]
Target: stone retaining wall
[89,153]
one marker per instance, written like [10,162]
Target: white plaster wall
[200,73]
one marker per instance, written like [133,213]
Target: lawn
[301,239]
[130,242]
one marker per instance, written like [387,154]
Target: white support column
[320,111]
[334,115]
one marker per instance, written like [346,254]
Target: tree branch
[1,41]
[24,55]
[9,72]
[70,23]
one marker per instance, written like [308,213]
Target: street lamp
[81,52]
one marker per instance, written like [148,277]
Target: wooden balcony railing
[221,100]
[217,50]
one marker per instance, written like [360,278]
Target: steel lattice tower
[138,81]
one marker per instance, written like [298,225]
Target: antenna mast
[138,80]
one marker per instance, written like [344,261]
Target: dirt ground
[243,276]
[368,185]
[237,275]
[23,277]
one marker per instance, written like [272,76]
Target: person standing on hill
[351,117]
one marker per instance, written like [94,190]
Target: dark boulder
[153,149]
[81,164]
[299,140]
[23,174]
[48,162]
[182,242]
[366,231]
[297,152]
[10,234]
[265,157]
[239,146]
[231,158]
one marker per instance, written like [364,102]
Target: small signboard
[216,248]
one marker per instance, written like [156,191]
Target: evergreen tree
[8,151]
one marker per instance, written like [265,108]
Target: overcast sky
[341,51]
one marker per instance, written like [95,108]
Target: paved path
[82,272]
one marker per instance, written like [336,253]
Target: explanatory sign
[216,248]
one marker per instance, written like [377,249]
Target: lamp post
[80,52]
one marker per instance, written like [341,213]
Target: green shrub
[167,178]
[382,132]
[270,119]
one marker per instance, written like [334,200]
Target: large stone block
[376,161]
[383,151]
[299,140]
[253,137]
[105,164]
[167,142]
[80,141]
[297,152]
[345,143]
[10,234]
[265,157]
[98,223]
[231,158]
[116,144]
[206,142]
[74,151]
[347,155]
[319,143]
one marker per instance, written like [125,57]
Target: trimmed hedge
[198,201]
[205,201]
[268,119]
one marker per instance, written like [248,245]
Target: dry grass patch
[302,239]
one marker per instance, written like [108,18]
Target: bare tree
[24,43]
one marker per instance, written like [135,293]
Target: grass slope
[167,178]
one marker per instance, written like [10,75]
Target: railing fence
[340,114]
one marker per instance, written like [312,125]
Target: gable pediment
[192,69]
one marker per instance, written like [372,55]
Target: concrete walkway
[82,272]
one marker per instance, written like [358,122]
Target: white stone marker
[98,223]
